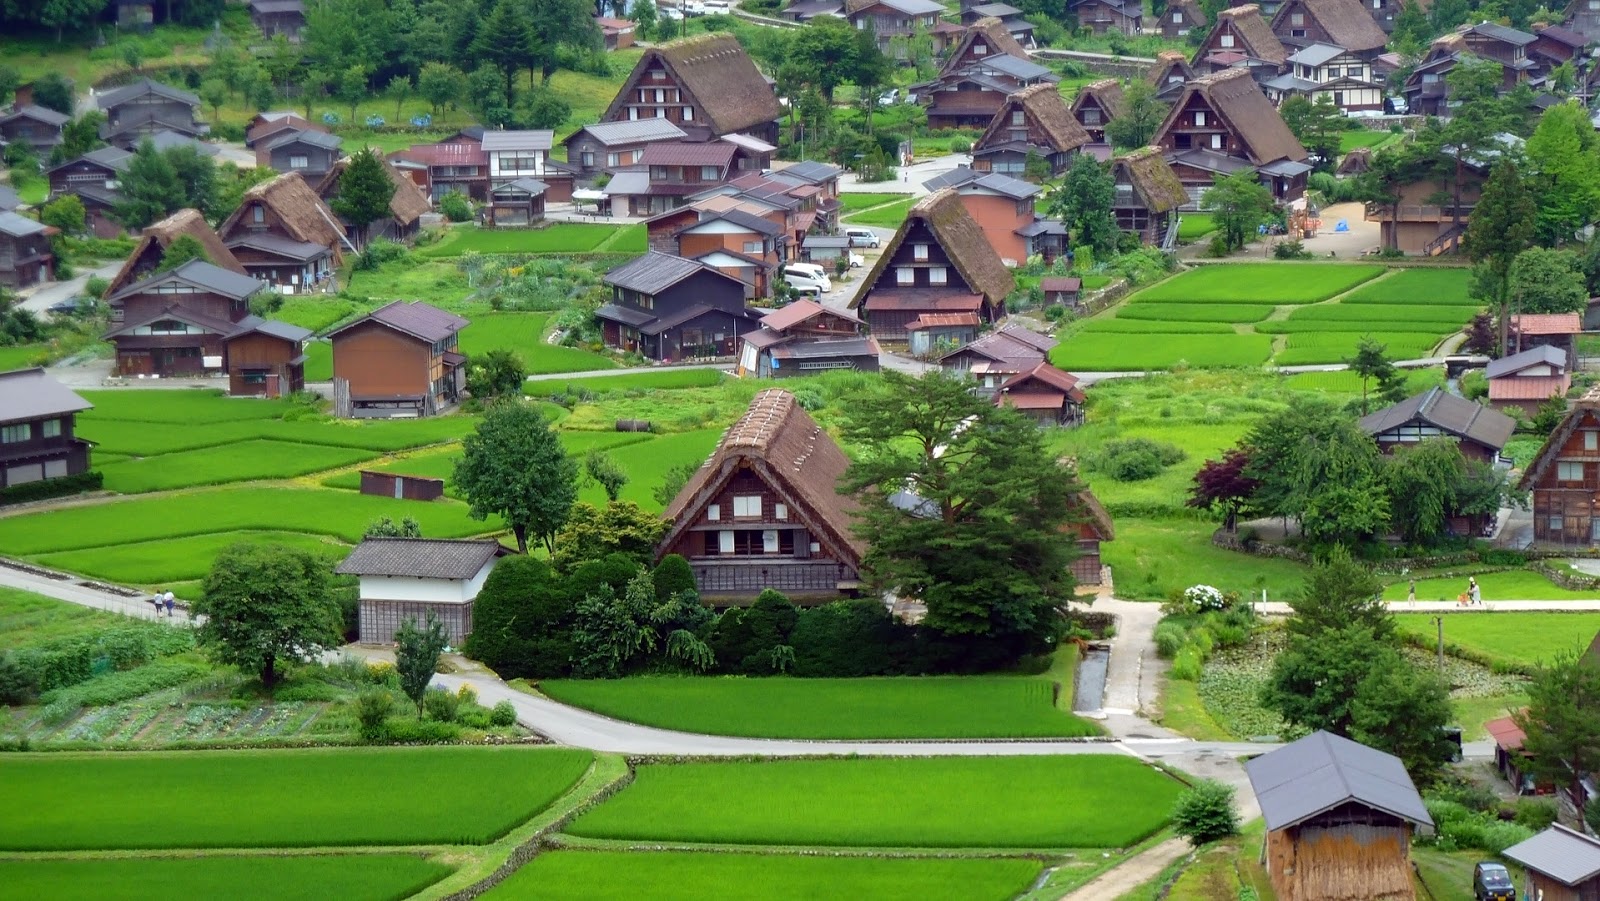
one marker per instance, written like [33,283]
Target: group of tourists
[1472,597]
[163,599]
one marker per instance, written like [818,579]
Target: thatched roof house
[1096,105]
[1342,23]
[287,207]
[992,36]
[1253,136]
[1047,128]
[1242,30]
[155,239]
[721,90]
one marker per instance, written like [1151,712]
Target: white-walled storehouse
[403,578]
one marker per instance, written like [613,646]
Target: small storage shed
[1562,864]
[1063,290]
[1509,758]
[405,578]
[518,202]
[1339,819]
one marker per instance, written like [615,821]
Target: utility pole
[1439,621]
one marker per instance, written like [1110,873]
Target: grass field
[439,463]
[206,511]
[889,216]
[1123,325]
[1270,283]
[1521,638]
[1151,558]
[338,797]
[663,378]
[367,877]
[1511,585]
[191,407]
[28,619]
[562,237]
[1105,352]
[932,707]
[146,439]
[1432,319]
[1194,312]
[524,333]
[853,202]
[171,560]
[317,313]
[1346,382]
[1336,347]
[243,461]
[1446,287]
[1352,140]
[692,876]
[646,464]
[1194,226]
[991,802]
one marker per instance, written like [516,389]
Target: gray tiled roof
[277,244]
[1322,771]
[1453,414]
[202,275]
[38,113]
[307,136]
[1316,54]
[1544,353]
[8,199]
[272,327]
[140,88]
[17,225]
[426,558]
[540,139]
[635,132]
[1017,68]
[32,394]
[1564,855]
[653,272]
[811,171]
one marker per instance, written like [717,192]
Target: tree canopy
[264,603]
[1238,204]
[1083,203]
[1142,115]
[364,190]
[514,466]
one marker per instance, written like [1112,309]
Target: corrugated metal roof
[653,272]
[201,274]
[277,244]
[1321,771]
[32,394]
[678,153]
[1533,356]
[1529,387]
[1547,323]
[1448,412]
[18,226]
[633,132]
[1567,856]
[423,558]
[626,183]
[532,139]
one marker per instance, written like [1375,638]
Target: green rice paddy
[365,877]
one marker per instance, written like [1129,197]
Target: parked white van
[861,237]
[807,278]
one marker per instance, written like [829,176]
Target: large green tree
[1083,203]
[989,550]
[514,466]
[508,42]
[1141,117]
[1422,481]
[1318,126]
[1238,204]
[1339,592]
[265,603]
[441,84]
[1547,281]
[1501,227]
[1562,723]
[416,655]
[150,188]
[1564,169]
[365,190]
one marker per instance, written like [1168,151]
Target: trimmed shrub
[1169,638]
[440,705]
[845,638]
[372,710]
[414,731]
[1133,459]
[1187,664]
[503,714]
[48,488]
[1205,813]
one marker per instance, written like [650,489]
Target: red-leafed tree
[1223,485]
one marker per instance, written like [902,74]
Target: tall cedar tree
[1142,115]
[1501,227]
[558,25]
[508,42]
[992,562]
[1547,281]
[416,655]
[364,191]
[514,466]
[1477,120]
[1339,592]
[1562,722]
[149,188]
[1565,172]
[263,603]
[1083,204]
[1317,125]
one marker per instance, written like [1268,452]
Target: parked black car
[1492,882]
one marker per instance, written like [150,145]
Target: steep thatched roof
[1044,106]
[1166,61]
[958,234]
[1147,170]
[1346,21]
[406,206]
[718,75]
[1191,10]
[158,236]
[303,215]
[1255,35]
[994,35]
[1106,92]
[1236,98]
[1356,161]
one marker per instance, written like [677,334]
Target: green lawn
[1520,638]
[646,464]
[1352,140]
[632,381]
[299,798]
[154,563]
[937,802]
[440,282]
[1152,558]
[23,356]
[1511,585]
[524,333]
[242,461]
[1194,226]
[1272,283]
[1445,286]
[561,237]
[187,407]
[889,216]
[366,877]
[1347,382]
[930,707]
[694,876]
[1432,319]
[319,361]
[1123,325]
[28,619]
[1104,352]
[853,202]
[145,439]
[318,312]
[206,511]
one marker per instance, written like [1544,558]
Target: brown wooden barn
[1564,478]
[1561,864]
[1093,528]
[1339,819]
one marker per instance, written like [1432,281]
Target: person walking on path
[157,601]
[1411,593]
[1473,592]
[169,601]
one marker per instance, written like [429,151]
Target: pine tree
[1501,227]
[150,188]
[364,191]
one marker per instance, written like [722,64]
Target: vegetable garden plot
[940,802]
[346,796]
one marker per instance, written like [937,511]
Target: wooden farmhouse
[803,338]
[1339,819]
[1510,760]
[457,165]
[267,127]
[611,146]
[1170,73]
[705,85]
[144,108]
[153,244]
[1036,121]
[1096,105]
[35,126]
[765,510]
[1003,207]
[275,17]
[1319,71]
[1061,290]
[410,578]
[1424,219]
[1223,123]
[1564,478]
[1181,18]
[1241,37]
[1583,18]
[666,308]
[1104,16]
[1478,431]
[667,174]
[25,255]
[736,242]
[985,66]
[1044,394]
[1560,864]
[615,34]
[1341,23]
[1014,19]
[515,155]
[95,179]
[402,360]
[937,263]
[289,210]
[1557,330]
[1523,381]
[37,416]
[310,153]
[998,356]
[889,19]
[1147,197]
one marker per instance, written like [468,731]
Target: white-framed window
[937,275]
[1297,18]
[257,214]
[299,161]
[746,505]
[752,247]
[1554,522]
[588,159]
[769,541]
[612,159]
[780,511]
[709,173]
[1591,440]
[982,50]
[905,275]
[919,252]
[1226,40]
[688,114]
[52,428]
[1018,117]
[1569,471]
[725,542]
[15,434]
[714,512]
[1200,118]
[1335,72]
[1177,18]
[1216,142]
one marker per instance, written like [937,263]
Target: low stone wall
[1230,541]
[1568,580]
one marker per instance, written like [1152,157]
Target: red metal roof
[1058,283]
[455,154]
[1529,387]
[917,299]
[1547,323]
[677,153]
[1505,733]
[942,320]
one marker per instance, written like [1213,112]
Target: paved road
[76,591]
[40,298]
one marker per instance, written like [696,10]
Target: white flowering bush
[1205,597]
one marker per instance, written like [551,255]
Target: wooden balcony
[1379,212]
